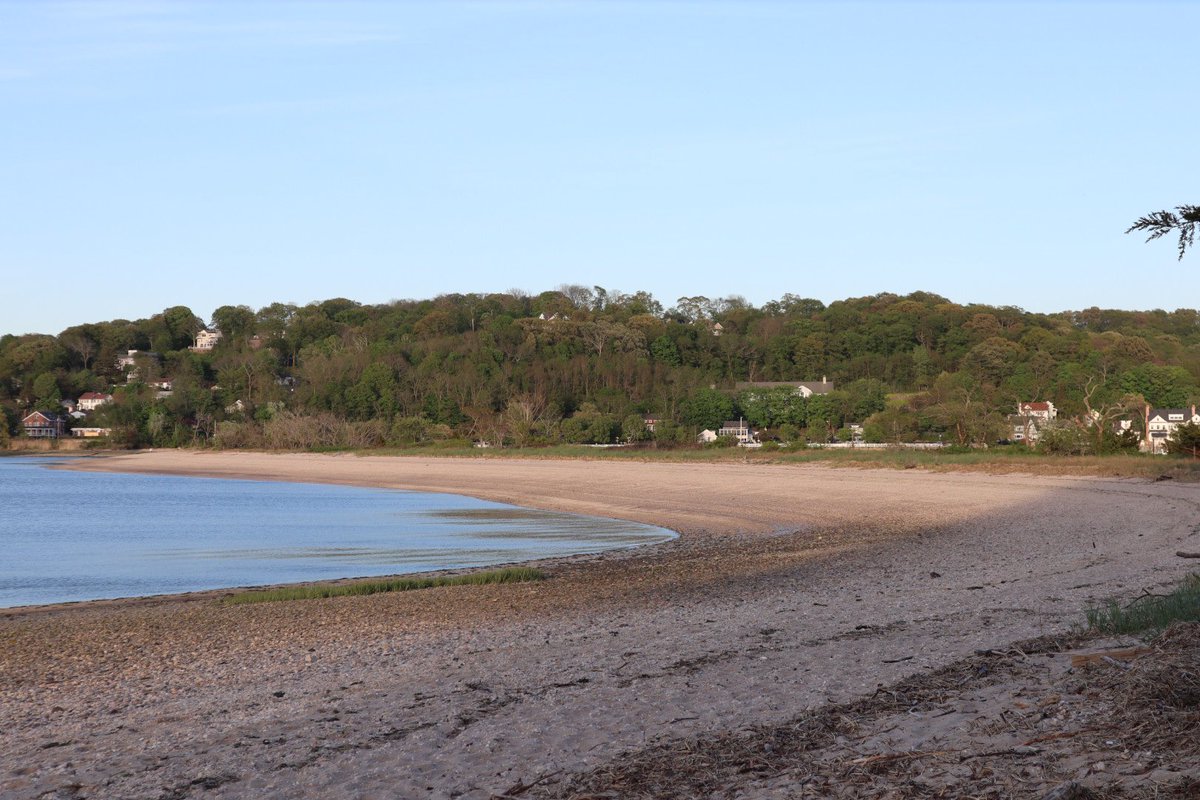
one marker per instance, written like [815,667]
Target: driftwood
[1185,554]
[1107,656]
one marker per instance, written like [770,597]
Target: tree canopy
[586,364]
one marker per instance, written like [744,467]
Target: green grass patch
[1149,613]
[507,575]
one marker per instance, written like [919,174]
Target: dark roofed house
[1161,424]
[44,425]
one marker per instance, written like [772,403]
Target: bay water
[68,536]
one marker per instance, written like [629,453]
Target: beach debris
[1071,790]
[1108,656]
[519,788]
[1186,554]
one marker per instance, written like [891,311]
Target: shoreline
[789,588]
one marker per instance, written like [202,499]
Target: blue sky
[155,154]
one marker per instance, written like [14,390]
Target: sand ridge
[790,587]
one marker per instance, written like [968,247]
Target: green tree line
[579,364]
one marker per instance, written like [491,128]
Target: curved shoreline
[574,536]
[789,587]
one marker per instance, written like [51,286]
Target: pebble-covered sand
[790,586]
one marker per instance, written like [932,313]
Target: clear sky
[163,153]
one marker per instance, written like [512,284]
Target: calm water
[83,536]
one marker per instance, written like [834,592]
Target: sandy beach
[789,588]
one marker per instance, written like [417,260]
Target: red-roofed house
[1041,410]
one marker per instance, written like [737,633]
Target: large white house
[1161,424]
[206,340]
[90,401]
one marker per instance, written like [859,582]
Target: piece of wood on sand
[1123,654]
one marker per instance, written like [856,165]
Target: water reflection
[112,535]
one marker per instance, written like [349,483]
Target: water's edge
[429,533]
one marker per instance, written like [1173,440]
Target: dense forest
[589,365]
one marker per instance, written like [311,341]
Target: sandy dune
[789,587]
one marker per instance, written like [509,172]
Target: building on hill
[1038,410]
[44,425]
[804,389]
[90,401]
[1160,425]
[128,362]
[1026,429]
[206,340]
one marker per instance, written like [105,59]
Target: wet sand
[789,587]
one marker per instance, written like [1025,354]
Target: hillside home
[1026,429]
[129,361]
[90,401]
[1037,410]
[1161,424]
[44,425]
[803,389]
[706,436]
[206,340]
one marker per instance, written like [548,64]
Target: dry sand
[790,587]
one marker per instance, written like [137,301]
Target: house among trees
[803,389]
[206,340]
[740,430]
[44,425]
[1030,420]
[1161,424]
[128,362]
[1039,410]
[90,401]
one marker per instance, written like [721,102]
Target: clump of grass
[507,575]
[1149,613]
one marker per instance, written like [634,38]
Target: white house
[206,340]
[1161,424]
[803,389]
[1026,428]
[90,401]
[740,430]
[706,436]
[1038,410]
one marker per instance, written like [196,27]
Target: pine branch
[1160,223]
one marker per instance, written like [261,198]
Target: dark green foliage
[1186,441]
[706,408]
[486,367]
[1149,613]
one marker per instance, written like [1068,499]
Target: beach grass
[358,588]
[1149,613]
